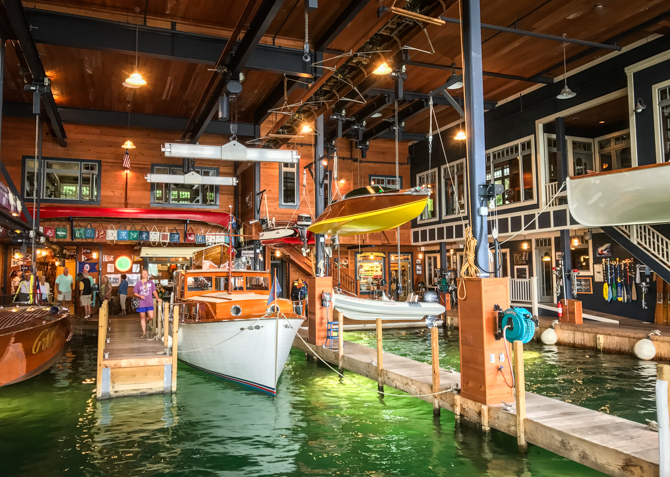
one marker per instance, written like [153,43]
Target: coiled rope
[469,269]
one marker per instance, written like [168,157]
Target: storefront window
[664,117]
[370,272]
[504,166]
[428,179]
[453,188]
[614,152]
[184,194]
[405,275]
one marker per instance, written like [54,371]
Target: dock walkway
[601,441]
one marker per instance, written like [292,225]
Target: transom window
[204,195]
[511,166]
[63,180]
[386,181]
[428,179]
[664,117]
[453,189]
[288,184]
[614,152]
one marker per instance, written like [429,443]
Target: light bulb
[342,181]
[325,163]
[134,81]
[382,70]
[128,144]
[524,245]
[306,128]
[277,253]
[460,136]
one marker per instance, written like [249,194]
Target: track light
[383,70]
[640,106]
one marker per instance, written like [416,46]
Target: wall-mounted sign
[108,258]
[90,267]
[123,263]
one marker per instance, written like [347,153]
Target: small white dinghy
[362,309]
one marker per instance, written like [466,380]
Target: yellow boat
[371,209]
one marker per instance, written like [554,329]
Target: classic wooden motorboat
[636,195]
[32,338]
[230,327]
[294,233]
[371,209]
[361,309]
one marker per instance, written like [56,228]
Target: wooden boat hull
[33,349]
[369,214]
[362,310]
[638,195]
[251,352]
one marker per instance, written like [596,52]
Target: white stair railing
[550,190]
[524,291]
[649,240]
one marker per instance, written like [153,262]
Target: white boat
[637,195]
[230,331]
[362,309]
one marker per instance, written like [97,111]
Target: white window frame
[435,195]
[213,171]
[294,169]
[386,178]
[658,130]
[445,175]
[519,141]
[612,135]
[571,159]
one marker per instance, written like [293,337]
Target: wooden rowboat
[371,209]
[31,340]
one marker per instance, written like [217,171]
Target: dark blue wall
[644,121]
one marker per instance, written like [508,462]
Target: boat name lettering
[44,340]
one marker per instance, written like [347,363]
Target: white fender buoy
[169,341]
[645,349]
[549,336]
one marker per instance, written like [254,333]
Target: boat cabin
[193,283]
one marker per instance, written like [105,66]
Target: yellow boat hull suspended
[369,214]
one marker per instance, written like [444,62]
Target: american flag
[126,160]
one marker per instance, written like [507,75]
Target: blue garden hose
[519,323]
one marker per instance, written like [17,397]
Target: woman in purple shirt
[145,290]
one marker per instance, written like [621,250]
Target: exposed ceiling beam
[120,118]
[76,31]
[437,100]
[374,106]
[532,79]
[218,83]
[16,19]
[544,36]
[275,99]
[387,124]
[340,23]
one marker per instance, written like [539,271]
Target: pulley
[515,324]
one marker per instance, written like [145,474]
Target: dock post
[340,341]
[485,419]
[175,342]
[102,339]
[520,396]
[663,417]
[166,323]
[380,357]
[435,358]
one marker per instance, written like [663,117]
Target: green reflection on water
[317,425]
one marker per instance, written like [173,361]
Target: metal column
[562,163]
[474,121]
[318,194]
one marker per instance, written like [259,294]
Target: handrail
[648,239]
[175,344]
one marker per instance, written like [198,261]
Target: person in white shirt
[45,289]
[64,287]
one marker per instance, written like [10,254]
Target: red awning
[63,212]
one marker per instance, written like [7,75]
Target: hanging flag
[274,291]
[126,160]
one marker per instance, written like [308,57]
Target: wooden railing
[524,291]
[103,324]
[346,281]
[649,240]
[550,190]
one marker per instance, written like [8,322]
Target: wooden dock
[129,365]
[601,441]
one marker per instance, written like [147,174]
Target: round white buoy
[645,349]
[549,336]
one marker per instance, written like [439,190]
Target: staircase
[646,244]
[295,257]
[346,282]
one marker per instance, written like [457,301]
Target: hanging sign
[50,232]
[122,234]
[90,267]
[61,233]
[123,263]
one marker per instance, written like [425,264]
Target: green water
[317,425]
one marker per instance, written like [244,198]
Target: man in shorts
[64,288]
[85,293]
[145,290]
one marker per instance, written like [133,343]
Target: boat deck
[601,441]
[125,341]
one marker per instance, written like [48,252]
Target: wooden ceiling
[91,79]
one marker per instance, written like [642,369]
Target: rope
[469,268]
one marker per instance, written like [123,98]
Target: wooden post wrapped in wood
[166,322]
[380,357]
[520,396]
[339,317]
[102,338]
[435,352]
[175,343]
[663,413]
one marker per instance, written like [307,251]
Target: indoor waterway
[317,425]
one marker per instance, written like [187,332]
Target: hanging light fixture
[524,245]
[128,144]
[460,136]
[383,70]
[566,92]
[135,80]
[546,257]
[457,82]
[306,129]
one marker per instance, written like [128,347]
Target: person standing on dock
[64,288]
[123,294]
[85,293]
[145,290]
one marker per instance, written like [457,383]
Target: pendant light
[383,70]
[135,80]
[456,83]
[566,92]
[546,257]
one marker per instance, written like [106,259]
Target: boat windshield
[199,283]
[222,283]
[258,283]
[369,190]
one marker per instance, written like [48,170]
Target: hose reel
[515,324]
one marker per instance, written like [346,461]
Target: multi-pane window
[453,188]
[614,152]
[511,166]
[386,181]
[288,184]
[184,194]
[664,117]
[63,180]
[429,180]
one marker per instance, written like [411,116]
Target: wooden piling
[435,351]
[520,396]
[166,322]
[380,357]
[103,319]
[175,343]
[340,340]
[485,419]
